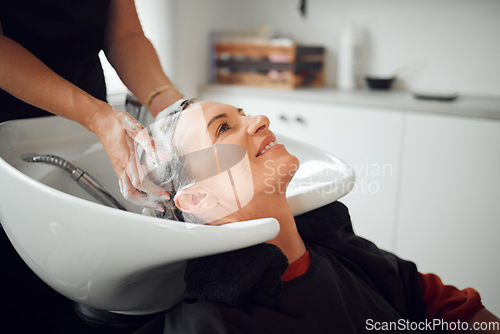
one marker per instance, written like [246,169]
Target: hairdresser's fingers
[138,175]
[144,184]
[133,168]
[136,196]
[117,131]
[130,124]
[140,135]
[146,150]
[143,160]
[121,135]
[109,128]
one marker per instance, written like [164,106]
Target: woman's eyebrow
[223,115]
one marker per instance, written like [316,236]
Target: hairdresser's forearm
[134,58]
[141,72]
[27,78]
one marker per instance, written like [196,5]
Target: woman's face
[234,156]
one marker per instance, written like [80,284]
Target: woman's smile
[273,146]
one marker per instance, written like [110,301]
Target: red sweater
[448,303]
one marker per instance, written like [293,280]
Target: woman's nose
[256,124]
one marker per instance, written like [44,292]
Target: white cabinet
[449,212]
[367,139]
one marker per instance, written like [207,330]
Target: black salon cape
[350,285]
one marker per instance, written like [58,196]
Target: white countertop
[464,105]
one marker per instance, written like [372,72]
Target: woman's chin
[276,182]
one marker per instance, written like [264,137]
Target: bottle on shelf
[349,58]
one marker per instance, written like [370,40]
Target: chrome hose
[84,179]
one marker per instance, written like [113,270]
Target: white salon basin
[115,260]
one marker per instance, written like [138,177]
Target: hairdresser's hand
[123,137]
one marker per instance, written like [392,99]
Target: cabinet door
[449,217]
[367,139]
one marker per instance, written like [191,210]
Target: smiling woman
[221,166]
[219,161]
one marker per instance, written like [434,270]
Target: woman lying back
[316,276]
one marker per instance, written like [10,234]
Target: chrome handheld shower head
[84,179]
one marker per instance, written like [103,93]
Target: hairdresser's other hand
[121,136]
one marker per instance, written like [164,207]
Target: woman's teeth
[268,146]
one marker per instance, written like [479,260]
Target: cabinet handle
[300,120]
[284,118]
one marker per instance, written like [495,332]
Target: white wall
[451,44]
[158,21]
[194,20]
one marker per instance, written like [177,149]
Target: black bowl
[379,83]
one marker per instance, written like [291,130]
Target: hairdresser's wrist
[164,99]
[101,117]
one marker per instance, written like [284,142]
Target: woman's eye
[223,128]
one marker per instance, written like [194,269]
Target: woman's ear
[195,200]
